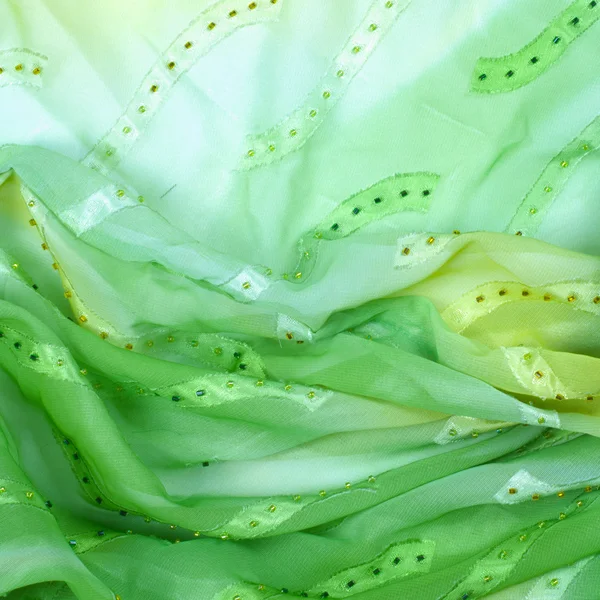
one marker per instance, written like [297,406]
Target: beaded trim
[507,73]
[205,31]
[20,66]
[294,131]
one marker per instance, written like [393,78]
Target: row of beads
[21,67]
[505,73]
[552,180]
[208,29]
[295,130]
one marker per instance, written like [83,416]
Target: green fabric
[289,308]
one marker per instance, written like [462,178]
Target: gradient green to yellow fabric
[299,299]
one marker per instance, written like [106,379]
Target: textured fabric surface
[299,299]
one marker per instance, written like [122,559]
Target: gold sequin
[340,73]
[571,298]
[32,222]
[525,293]
[260,383]
[560,494]
[564,164]
[251,152]
[596,300]
[312,113]
[588,488]
[487,578]
[154,88]
[372,27]
[326,94]
[579,503]
[293,133]
[129,346]
[170,339]
[298,275]
[117,597]
[389,4]
[559,397]
[406,251]
[29,495]
[322,493]
[211,26]
[252,5]
[502,292]
[246,285]
[289,335]
[430,240]
[31,203]
[547,297]
[103,335]
[233,13]
[15,265]
[456,232]
[218,351]
[512,490]
[83,318]
[535,497]
[347,485]
[532,210]
[171,65]
[518,233]
[562,516]
[272,508]
[188,45]
[196,534]
[55,266]
[229,384]
[480,298]
[271,148]
[356,49]
[547,189]
[19,67]
[44,246]
[149,343]
[310,395]
[538,374]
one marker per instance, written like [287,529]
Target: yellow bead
[31,203]
[519,233]
[252,5]
[224,536]
[535,497]
[229,384]
[554,582]
[129,346]
[512,490]
[389,4]
[560,494]
[488,578]
[15,265]
[188,45]
[347,485]
[371,479]
[32,222]
[196,534]
[246,285]
[83,318]
[456,232]
[596,300]
[564,164]
[120,193]
[288,387]
[559,397]
[296,498]
[141,109]
[372,27]
[522,537]
[29,495]
[154,88]
[475,434]
[171,65]
[117,597]
[293,133]
[103,335]
[430,240]
[1,70]
[149,343]
[538,374]
[480,299]
[547,297]
[260,383]
[272,508]
[322,493]
[547,189]
[83,371]
[2,490]
[211,26]
[585,147]
[271,148]
[55,266]
[253,523]
[170,339]
[310,395]
[562,516]
[532,211]
[503,554]
[588,488]
[356,50]
[173,526]
[44,246]
[251,153]
[406,251]
[233,13]
[326,94]
[312,113]
[579,504]
[19,67]
[218,351]
[340,73]
[541,420]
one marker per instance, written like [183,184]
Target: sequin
[564,164]
[326,94]
[32,222]
[29,495]
[83,318]
[171,65]
[406,251]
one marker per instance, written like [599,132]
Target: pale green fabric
[295,303]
